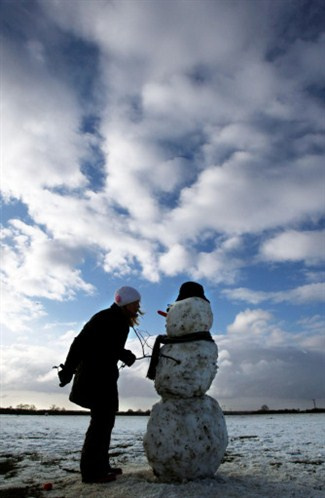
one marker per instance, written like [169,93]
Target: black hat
[191,289]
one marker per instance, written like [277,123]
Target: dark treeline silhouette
[31,410]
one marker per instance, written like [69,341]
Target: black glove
[128,357]
[65,375]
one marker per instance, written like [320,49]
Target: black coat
[93,357]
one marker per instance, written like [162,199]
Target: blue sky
[150,143]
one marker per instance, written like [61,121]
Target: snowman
[186,435]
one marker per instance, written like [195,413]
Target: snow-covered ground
[267,455]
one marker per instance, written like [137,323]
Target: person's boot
[115,470]
[99,479]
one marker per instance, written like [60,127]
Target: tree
[26,406]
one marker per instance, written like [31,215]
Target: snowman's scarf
[164,339]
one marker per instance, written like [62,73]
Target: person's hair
[134,320]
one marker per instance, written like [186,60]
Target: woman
[93,358]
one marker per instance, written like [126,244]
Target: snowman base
[186,438]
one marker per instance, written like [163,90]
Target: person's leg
[94,455]
[97,440]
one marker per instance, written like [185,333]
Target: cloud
[257,359]
[188,143]
[29,367]
[314,292]
[34,265]
[27,364]
[314,322]
[48,148]
[142,23]
[252,320]
[218,265]
[40,266]
[245,197]
[308,246]
[18,311]
[175,260]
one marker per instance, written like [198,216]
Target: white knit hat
[126,295]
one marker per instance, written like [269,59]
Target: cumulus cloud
[245,198]
[314,292]
[24,364]
[251,321]
[32,257]
[259,359]
[308,246]
[41,143]
[18,312]
[35,266]
[187,142]
[27,365]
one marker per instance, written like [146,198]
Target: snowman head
[189,315]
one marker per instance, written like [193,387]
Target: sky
[148,143]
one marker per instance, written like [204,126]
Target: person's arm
[127,357]
[119,324]
[74,357]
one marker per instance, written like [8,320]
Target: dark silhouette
[93,359]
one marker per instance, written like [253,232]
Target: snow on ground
[234,479]
[267,456]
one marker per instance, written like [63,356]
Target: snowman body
[186,436]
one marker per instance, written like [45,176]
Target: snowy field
[267,455]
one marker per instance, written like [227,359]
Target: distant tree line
[27,409]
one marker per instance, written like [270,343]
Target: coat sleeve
[77,349]
[126,356]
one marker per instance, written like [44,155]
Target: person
[92,360]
